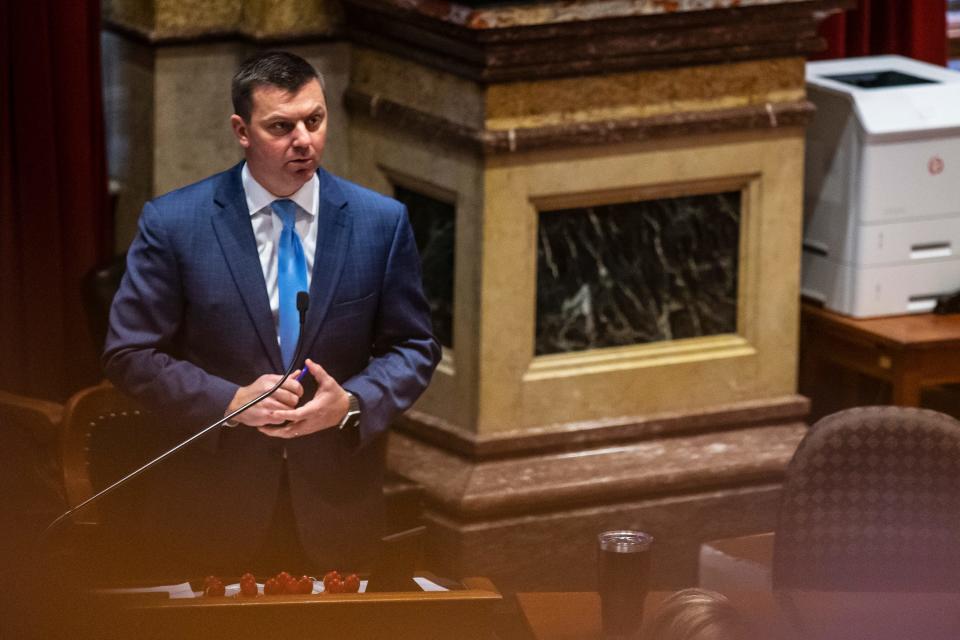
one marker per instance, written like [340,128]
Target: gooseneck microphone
[303,303]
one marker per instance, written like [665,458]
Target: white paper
[429,585]
[183,589]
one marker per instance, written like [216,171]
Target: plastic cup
[624,579]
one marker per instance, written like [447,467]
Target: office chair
[871,502]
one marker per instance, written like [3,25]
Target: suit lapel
[333,235]
[239,246]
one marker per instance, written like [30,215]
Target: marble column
[608,199]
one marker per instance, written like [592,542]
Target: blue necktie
[291,277]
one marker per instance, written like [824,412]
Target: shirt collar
[259,198]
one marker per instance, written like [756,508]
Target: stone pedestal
[607,197]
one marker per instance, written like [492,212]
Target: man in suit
[205,320]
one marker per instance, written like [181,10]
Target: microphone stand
[303,302]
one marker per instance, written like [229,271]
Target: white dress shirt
[267,227]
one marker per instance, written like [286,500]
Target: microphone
[303,303]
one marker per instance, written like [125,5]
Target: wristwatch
[352,419]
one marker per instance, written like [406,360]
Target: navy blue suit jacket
[191,322]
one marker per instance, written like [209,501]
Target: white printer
[882,185]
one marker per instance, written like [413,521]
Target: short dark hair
[277,68]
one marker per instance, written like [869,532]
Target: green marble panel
[637,272]
[434,227]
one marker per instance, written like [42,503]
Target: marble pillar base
[554,551]
[525,510]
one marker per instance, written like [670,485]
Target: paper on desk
[429,585]
[181,590]
[234,589]
[424,583]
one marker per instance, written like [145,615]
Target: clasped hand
[326,409]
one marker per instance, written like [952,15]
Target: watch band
[353,412]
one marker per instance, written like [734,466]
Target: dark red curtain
[913,28]
[54,221]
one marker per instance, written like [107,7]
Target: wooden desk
[744,563]
[576,615]
[813,615]
[909,352]
[465,613]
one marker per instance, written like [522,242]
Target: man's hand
[325,410]
[286,397]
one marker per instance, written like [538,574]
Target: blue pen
[300,375]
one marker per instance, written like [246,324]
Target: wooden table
[576,615]
[775,616]
[465,613]
[909,352]
[744,563]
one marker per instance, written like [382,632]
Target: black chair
[97,289]
[871,502]
[105,435]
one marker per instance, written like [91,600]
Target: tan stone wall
[128,79]
[493,382]
[159,20]
[414,85]
[637,94]
[192,136]
[643,94]
[520,391]
[381,159]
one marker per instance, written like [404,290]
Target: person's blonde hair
[697,614]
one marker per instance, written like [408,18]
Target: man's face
[284,140]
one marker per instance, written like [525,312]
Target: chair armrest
[41,418]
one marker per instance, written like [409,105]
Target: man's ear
[240,130]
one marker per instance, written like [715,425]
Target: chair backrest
[97,289]
[105,435]
[871,502]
